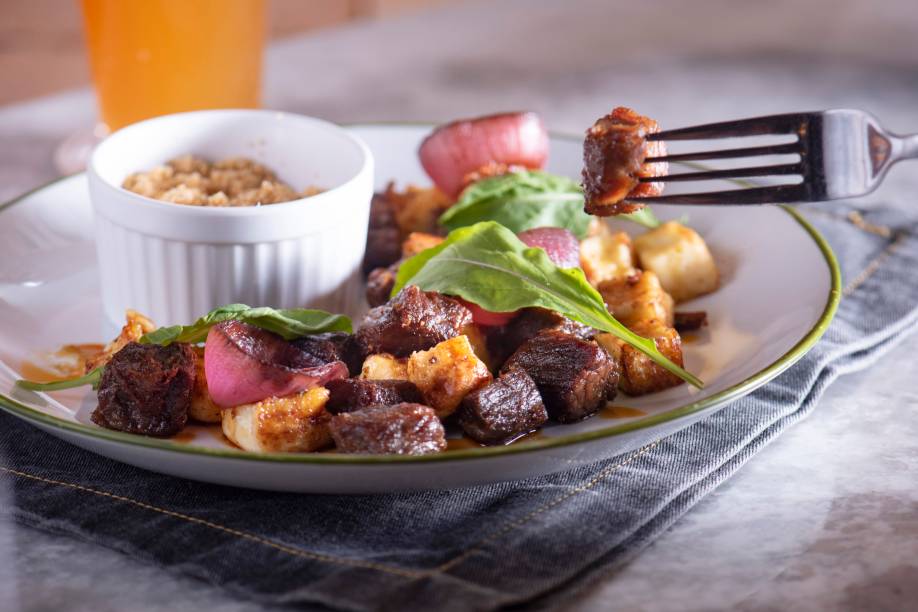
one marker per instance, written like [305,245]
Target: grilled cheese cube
[637,298]
[606,256]
[598,226]
[640,375]
[419,241]
[202,407]
[680,258]
[447,373]
[297,423]
[135,326]
[384,366]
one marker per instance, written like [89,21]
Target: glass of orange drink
[157,57]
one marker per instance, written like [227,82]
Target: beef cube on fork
[614,154]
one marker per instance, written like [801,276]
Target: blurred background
[42,42]
[42,46]
[435,60]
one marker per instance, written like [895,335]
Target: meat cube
[402,429]
[412,321]
[332,346]
[326,347]
[353,394]
[637,298]
[381,248]
[383,235]
[575,377]
[352,355]
[296,423]
[614,151]
[690,321]
[503,341]
[640,375]
[147,389]
[503,410]
[384,367]
[380,283]
[447,373]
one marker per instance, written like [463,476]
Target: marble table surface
[824,518]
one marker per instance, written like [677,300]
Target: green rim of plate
[762,376]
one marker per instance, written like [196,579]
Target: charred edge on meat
[355,394]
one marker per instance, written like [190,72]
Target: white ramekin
[174,263]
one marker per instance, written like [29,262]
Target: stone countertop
[827,516]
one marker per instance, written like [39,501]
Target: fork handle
[908,147]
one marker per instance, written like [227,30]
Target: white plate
[780,290]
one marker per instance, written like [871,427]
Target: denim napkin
[471,549]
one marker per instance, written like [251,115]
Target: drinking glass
[155,57]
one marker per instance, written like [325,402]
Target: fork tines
[709,175]
[791,123]
[797,124]
[781,149]
[752,195]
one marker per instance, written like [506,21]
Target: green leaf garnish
[91,378]
[288,323]
[521,201]
[528,199]
[488,265]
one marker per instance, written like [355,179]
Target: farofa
[235,181]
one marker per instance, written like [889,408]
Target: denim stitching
[605,473]
[856,219]
[863,224]
[875,264]
[405,573]
[235,532]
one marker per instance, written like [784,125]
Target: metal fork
[843,154]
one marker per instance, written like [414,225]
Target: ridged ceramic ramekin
[175,263]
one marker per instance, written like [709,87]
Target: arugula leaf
[488,265]
[528,199]
[520,201]
[90,378]
[287,323]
